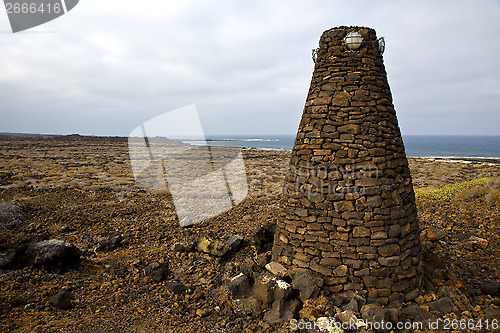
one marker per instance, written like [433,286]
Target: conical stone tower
[348,213]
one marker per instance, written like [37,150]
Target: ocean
[435,146]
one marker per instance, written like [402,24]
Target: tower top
[354,42]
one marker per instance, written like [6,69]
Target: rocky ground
[84,249]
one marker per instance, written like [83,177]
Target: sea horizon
[417,146]
[425,146]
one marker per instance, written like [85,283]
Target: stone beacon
[348,212]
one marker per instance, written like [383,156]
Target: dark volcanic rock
[263,236]
[490,288]
[276,313]
[262,259]
[417,314]
[457,297]
[156,271]
[373,313]
[52,253]
[239,286]
[353,305]
[443,305]
[61,300]
[433,234]
[109,243]
[346,317]
[250,306]
[308,285]
[7,259]
[184,246]
[10,215]
[176,287]
[263,288]
[234,242]
[281,311]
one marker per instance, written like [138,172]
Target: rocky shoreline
[133,269]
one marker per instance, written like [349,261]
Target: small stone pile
[348,212]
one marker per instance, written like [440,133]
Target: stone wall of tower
[348,212]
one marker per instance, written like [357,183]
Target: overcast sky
[107,66]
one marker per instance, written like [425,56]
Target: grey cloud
[107,67]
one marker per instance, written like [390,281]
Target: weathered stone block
[389,250]
[340,271]
[332,262]
[276,269]
[263,288]
[389,261]
[308,285]
[321,269]
[361,232]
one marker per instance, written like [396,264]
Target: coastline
[285,143]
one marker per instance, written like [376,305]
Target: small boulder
[347,317]
[264,287]
[156,271]
[308,285]
[490,288]
[61,300]
[184,246]
[262,259]
[234,242]
[263,236]
[10,215]
[108,243]
[373,313]
[217,249]
[52,253]
[7,259]
[176,288]
[457,297]
[238,286]
[276,313]
[352,305]
[281,311]
[443,305]
[276,269]
[433,234]
[415,313]
[283,289]
[250,306]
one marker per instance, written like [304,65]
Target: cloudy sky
[107,66]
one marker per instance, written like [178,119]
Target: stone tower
[348,213]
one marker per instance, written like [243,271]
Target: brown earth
[81,190]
